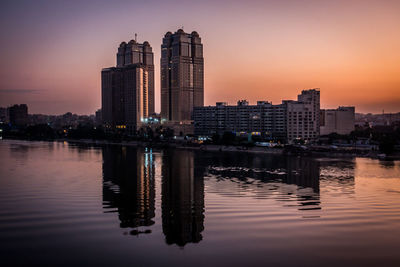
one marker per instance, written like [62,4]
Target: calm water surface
[67,205]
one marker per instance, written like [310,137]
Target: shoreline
[221,148]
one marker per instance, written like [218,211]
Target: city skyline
[262,51]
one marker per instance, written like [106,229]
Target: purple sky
[52,52]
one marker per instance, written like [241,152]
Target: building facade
[18,115]
[286,122]
[340,120]
[182,75]
[303,116]
[128,88]
[262,119]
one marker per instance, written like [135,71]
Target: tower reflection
[182,198]
[128,185]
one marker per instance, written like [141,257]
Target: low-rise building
[285,122]
[340,120]
[262,119]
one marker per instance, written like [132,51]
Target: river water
[69,205]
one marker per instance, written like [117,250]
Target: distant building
[4,115]
[376,119]
[66,120]
[18,115]
[98,117]
[182,76]
[35,119]
[288,121]
[128,88]
[340,120]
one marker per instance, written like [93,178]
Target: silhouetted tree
[228,138]
[39,131]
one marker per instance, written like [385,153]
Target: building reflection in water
[182,198]
[261,176]
[273,173]
[128,185]
[337,176]
[305,173]
[129,176]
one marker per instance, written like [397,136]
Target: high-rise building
[128,88]
[18,115]
[182,75]
[303,116]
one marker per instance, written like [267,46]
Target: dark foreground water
[67,205]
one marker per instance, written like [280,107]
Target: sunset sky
[52,52]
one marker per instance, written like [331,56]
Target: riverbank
[229,149]
[244,149]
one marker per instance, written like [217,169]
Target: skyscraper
[128,88]
[182,75]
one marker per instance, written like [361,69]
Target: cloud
[20,91]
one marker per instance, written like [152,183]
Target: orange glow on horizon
[255,51]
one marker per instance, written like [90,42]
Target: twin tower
[128,89]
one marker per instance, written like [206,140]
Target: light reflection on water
[65,204]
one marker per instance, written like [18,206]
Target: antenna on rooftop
[135,37]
